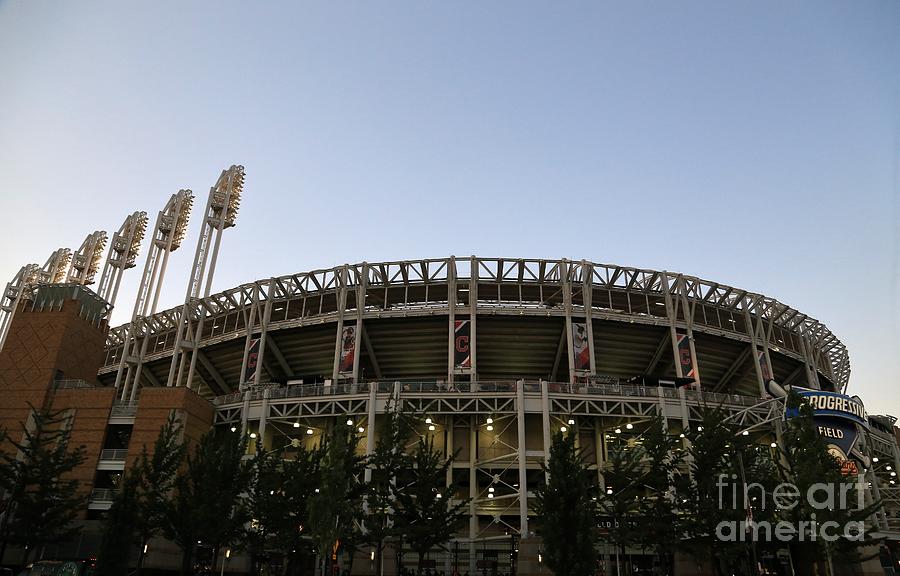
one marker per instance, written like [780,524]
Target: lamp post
[225,561]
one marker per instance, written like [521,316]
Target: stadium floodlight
[86,260]
[221,211]
[123,251]
[54,270]
[168,232]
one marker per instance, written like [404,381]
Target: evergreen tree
[41,503]
[335,506]
[206,505]
[620,503]
[119,528]
[426,510]
[566,512]
[264,504]
[156,475]
[807,462]
[716,493]
[137,510]
[300,476]
[385,463]
[659,525]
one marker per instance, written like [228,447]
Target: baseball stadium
[491,355]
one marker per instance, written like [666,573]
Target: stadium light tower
[123,251]
[221,211]
[12,295]
[169,231]
[53,272]
[86,261]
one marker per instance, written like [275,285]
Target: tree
[620,502]
[566,510]
[264,506]
[716,495]
[138,507]
[426,510]
[335,506]
[206,505]
[385,463]
[119,528]
[300,477]
[808,463]
[659,525]
[41,504]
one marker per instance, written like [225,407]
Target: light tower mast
[221,211]
[53,272]
[86,261]
[169,231]
[123,251]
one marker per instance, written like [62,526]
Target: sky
[755,144]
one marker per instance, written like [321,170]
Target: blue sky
[751,143]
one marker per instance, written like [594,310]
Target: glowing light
[773,445]
[428,420]
[361,429]
[431,427]
[253,434]
[490,420]
[349,421]
[296,424]
[629,426]
[618,430]
[562,428]
[309,431]
[571,421]
[489,427]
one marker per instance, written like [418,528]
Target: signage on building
[837,418]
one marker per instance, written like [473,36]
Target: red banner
[580,343]
[685,358]
[462,355]
[348,349]
[252,360]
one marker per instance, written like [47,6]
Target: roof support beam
[371,352]
[214,374]
[559,353]
[660,350]
[282,361]
[732,369]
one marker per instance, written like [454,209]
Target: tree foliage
[426,510]
[566,510]
[41,503]
[335,508]
[206,505]
[387,461]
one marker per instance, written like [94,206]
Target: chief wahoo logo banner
[684,357]
[348,349]
[252,360]
[580,344]
[462,355]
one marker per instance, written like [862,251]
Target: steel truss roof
[715,308]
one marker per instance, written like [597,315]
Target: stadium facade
[492,354]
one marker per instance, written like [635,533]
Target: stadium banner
[764,366]
[252,360]
[348,349]
[582,349]
[462,355]
[838,418]
[684,357]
